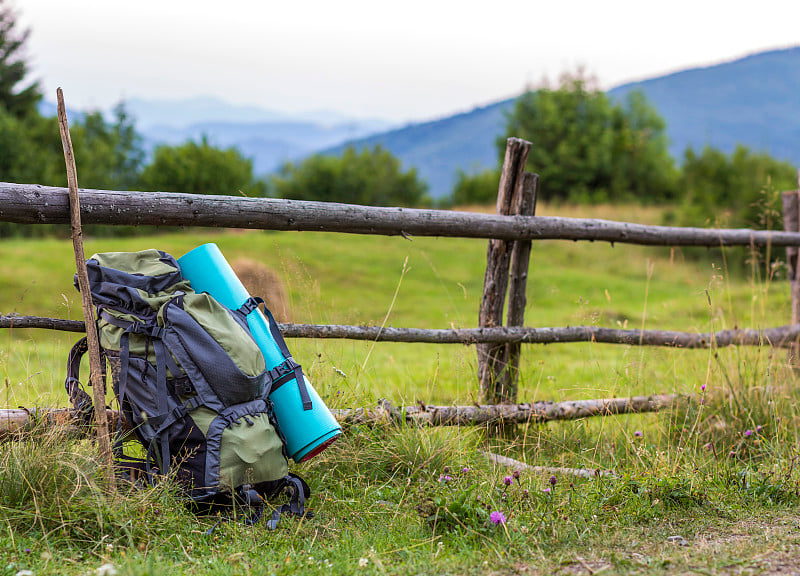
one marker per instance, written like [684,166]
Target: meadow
[718,471]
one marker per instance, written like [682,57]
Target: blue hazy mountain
[269,144]
[440,148]
[754,101]
[269,137]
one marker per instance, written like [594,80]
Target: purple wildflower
[445,478]
[702,387]
[748,432]
[707,446]
[525,493]
[547,490]
[732,454]
[27,550]
[638,434]
[465,470]
[759,428]
[553,480]
[516,474]
[497,517]
[508,481]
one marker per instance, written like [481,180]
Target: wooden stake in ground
[524,205]
[95,363]
[791,223]
[491,358]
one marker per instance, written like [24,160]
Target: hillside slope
[754,101]
[438,149]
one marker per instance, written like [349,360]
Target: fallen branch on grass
[580,472]
[16,421]
[782,336]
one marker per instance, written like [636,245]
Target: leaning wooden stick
[95,365]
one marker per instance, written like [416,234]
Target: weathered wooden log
[17,422]
[14,422]
[517,289]
[479,415]
[791,223]
[579,472]
[15,321]
[491,357]
[776,337]
[36,204]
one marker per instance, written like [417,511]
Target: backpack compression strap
[288,368]
[297,502]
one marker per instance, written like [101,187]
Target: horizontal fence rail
[35,204]
[18,421]
[777,337]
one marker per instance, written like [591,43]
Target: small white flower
[362,562]
[107,570]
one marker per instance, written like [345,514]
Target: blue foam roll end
[307,432]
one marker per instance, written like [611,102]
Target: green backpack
[190,381]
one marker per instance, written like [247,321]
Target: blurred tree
[480,188]
[200,168]
[17,101]
[739,190]
[369,177]
[109,155]
[588,148]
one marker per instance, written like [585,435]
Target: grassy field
[352,279]
[382,497]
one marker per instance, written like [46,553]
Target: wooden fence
[510,231]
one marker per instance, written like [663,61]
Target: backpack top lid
[129,280]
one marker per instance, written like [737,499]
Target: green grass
[379,495]
[352,279]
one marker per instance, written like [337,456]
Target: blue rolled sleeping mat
[303,418]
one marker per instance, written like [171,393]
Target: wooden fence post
[525,205]
[791,223]
[491,358]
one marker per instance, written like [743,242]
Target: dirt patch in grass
[768,546]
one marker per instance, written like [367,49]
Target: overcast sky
[406,60]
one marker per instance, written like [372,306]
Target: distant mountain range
[268,137]
[753,100]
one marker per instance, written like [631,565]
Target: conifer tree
[16,98]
